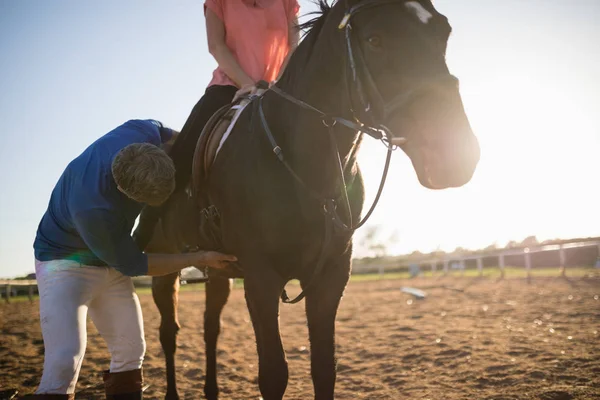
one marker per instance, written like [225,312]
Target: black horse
[287,186]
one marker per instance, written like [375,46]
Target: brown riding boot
[126,385]
[48,397]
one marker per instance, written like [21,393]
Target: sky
[72,70]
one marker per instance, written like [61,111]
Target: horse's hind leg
[165,291]
[262,297]
[322,303]
[217,293]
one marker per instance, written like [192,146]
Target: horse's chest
[270,227]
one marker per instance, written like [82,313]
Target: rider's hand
[247,89]
[244,90]
[212,259]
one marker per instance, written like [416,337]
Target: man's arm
[166,146]
[163,264]
[174,136]
[101,232]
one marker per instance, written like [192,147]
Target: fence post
[446,267]
[433,268]
[30,292]
[501,265]
[563,260]
[528,263]
[480,266]
[7,292]
[381,271]
[462,267]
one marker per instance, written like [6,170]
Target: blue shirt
[88,219]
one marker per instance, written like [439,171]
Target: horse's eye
[374,41]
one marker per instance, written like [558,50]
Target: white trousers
[68,291]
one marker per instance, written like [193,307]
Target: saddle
[213,135]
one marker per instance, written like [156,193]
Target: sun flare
[537,164]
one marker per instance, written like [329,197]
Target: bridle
[363,81]
[358,78]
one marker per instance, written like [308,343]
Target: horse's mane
[315,23]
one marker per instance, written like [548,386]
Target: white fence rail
[10,288]
[458,262]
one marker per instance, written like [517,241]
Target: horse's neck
[308,144]
[313,75]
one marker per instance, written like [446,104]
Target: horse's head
[398,77]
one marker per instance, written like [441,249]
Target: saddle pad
[239,108]
[213,136]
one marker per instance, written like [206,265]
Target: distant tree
[529,241]
[460,250]
[550,241]
[372,241]
[415,255]
[511,245]
[492,247]
[438,252]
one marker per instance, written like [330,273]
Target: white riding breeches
[68,291]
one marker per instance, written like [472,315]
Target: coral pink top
[257,36]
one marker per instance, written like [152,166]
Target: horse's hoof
[171,396]
[211,394]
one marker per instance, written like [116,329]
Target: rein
[382,134]
[329,204]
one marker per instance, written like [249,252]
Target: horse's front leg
[263,287]
[217,293]
[165,291]
[322,301]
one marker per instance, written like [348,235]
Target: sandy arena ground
[496,340]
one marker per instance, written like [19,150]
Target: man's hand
[212,259]
[163,264]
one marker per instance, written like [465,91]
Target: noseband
[376,130]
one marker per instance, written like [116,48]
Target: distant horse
[286,184]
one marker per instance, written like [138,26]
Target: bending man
[85,257]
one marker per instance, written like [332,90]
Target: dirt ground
[496,340]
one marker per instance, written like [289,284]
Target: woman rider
[251,40]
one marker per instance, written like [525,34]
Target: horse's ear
[428,4]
